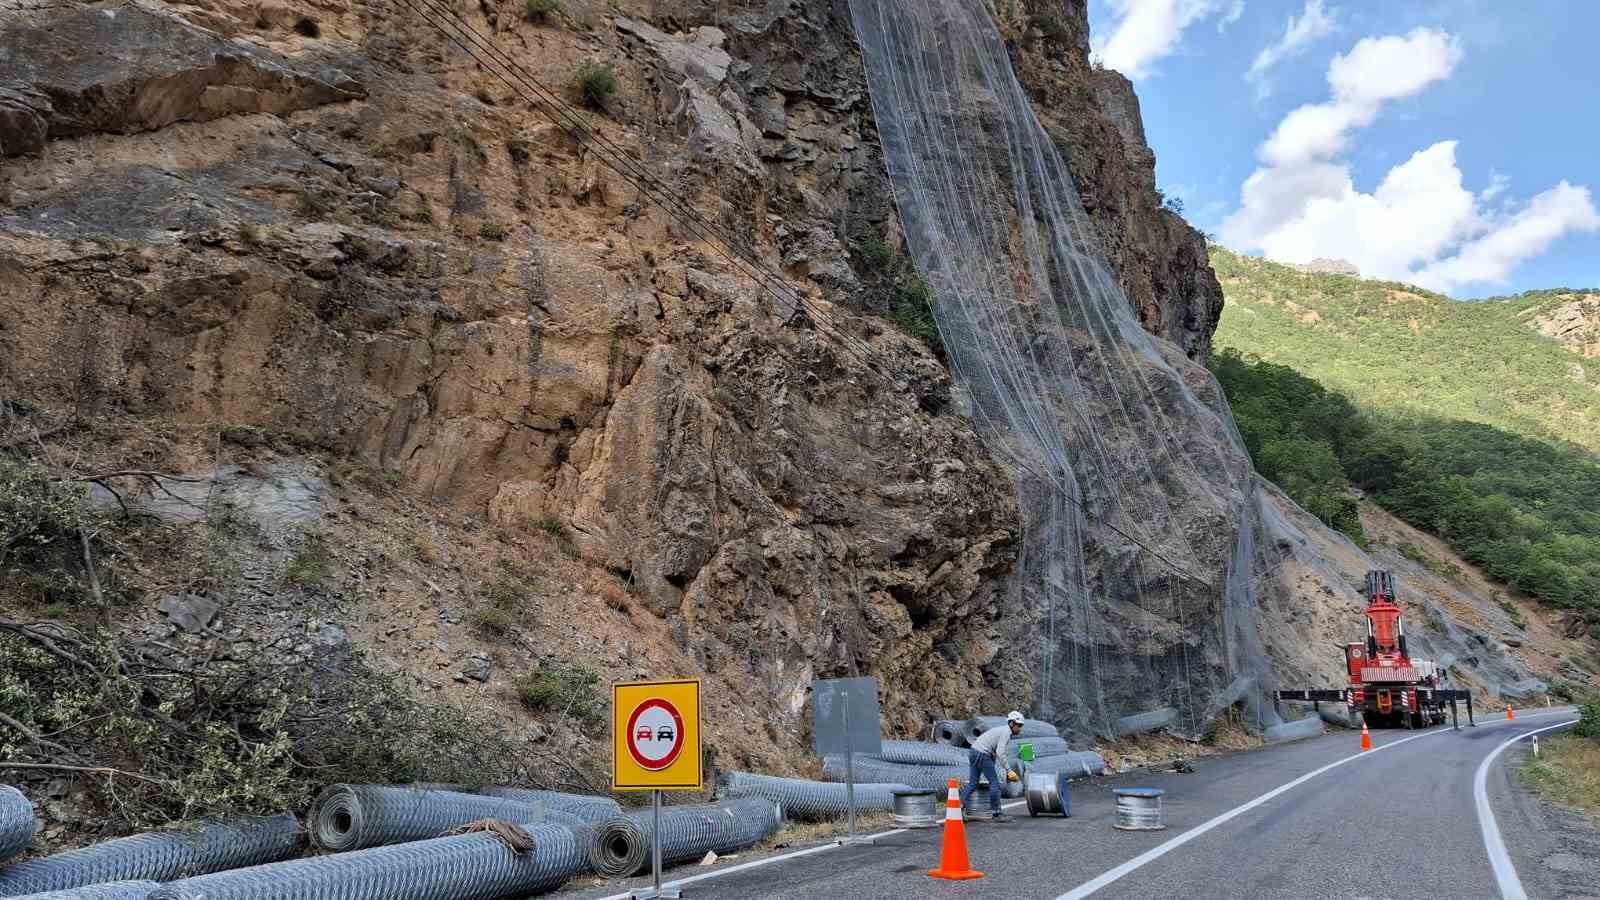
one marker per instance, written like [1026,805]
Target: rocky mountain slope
[356,354]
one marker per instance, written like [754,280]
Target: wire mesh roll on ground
[464,867]
[1030,727]
[1075,764]
[950,731]
[356,816]
[114,890]
[621,845]
[1042,746]
[810,801]
[160,856]
[921,753]
[869,770]
[585,806]
[17,823]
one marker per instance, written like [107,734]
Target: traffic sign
[655,736]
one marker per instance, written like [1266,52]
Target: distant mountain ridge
[1528,363]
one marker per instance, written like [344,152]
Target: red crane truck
[1388,686]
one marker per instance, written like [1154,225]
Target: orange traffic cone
[953,862]
[1366,738]
[1509,714]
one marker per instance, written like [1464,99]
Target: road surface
[1315,818]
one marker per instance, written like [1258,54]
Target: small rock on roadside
[190,612]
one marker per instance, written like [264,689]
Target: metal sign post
[845,720]
[655,746]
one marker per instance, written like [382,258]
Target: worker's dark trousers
[981,764]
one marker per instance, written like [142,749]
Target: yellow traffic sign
[655,736]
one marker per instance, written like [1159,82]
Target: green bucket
[1025,752]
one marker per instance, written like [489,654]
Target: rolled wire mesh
[621,845]
[810,801]
[1042,746]
[950,731]
[355,816]
[17,823]
[869,770]
[1030,727]
[160,856]
[585,806]
[1073,764]
[463,867]
[113,890]
[921,753]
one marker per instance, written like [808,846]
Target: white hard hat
[1014,716]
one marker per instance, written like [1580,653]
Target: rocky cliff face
[1094,115]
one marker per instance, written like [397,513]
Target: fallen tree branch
[92,770]
[33,736]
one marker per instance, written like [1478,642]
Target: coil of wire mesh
[17,822]
[160,856]
[584,806]
[1074,764]
[111,890]
[621,845]
[356,816]
[950,731]
[809,801]
[1042,746]
[1030,727]
[921,753]
[869,770]
[478,866]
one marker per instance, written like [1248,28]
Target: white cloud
[1313,23]
[1421,223]
[1145,31]
[1235,10]
[1520,237]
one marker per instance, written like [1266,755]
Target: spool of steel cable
[916,809]
[1139,809]
[1047,794]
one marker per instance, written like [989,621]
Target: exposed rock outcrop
[1324,266]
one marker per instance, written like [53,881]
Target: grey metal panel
[841,703]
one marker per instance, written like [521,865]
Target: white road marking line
[1155,853]
[793,854]
[1505,872]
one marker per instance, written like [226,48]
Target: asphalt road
[1399,822]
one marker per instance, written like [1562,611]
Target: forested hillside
[1524,364]
[1469,420]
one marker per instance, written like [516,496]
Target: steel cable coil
[160,856]
[622,844]
[356,816]
[111,890]
[585,806]
[17,823]
[810,801]
[476,866]
[920,753]
[1030,727]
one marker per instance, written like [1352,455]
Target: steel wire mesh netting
[475,866]
[811,801]
[1042,746]
[1030,727]
[160,856]
[355,816]
[621,845]
[1134,492]
[114,890]
[1075,764]
[921,753]
[17,822]
[869,770]
[585,806]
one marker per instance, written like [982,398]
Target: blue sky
[1451,143]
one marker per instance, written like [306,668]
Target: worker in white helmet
[987,758]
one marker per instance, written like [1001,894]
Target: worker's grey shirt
[993,742]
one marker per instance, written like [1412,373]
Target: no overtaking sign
[656,736]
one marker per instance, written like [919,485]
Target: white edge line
[1505,872]
[1155,853]
[754,864]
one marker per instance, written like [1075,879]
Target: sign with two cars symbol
[656,735]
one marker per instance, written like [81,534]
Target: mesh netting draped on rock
[1136,580]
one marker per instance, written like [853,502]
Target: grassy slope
[1392,345]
